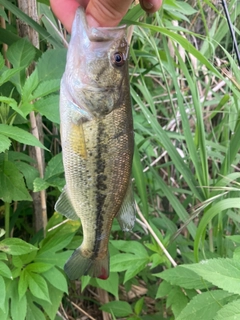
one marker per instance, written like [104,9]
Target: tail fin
[78,265]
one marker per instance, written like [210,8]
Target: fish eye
[118,59]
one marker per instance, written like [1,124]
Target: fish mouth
[99,34]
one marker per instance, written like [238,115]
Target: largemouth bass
[97,142]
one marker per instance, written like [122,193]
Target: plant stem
[7,219]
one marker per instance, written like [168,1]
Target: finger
[65,10]
[150,6]
[106,13]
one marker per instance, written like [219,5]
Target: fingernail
[147,5]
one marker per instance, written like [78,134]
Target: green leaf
[138,306]
[183,277]
[204,306]
[12,185]
[46,87]
[52,307]
[56,279]
[5,143]
[51,65]
[136,266]
[49,107]
[5,271]
[29,172]
[231,311]
[20,135]
[118,308]
[2,294]
[177,300]
[40,184]
[8,74]
[58,259]
[38,267]
[13,104]
[54,167]
[163,289]
[29,86]
[21,53]
[18,306]
[3,256]
[38,286]
[33,312]
[23,283]
[131,246]
[224,273]
[110,285]
[15,246]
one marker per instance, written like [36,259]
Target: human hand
[100,13]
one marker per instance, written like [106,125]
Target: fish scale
[97,143]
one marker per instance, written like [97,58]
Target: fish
[97,142]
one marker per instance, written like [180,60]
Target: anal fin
[65,207]
[127,214]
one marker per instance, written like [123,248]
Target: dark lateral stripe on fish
[100,186]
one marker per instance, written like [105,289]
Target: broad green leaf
[33,312]
[8,74]
[135,268]
[177,300]
[23,283]
[183,277]
[163,289]
[29,86]
[20,135]
[223,273]
[13,104]
[230,311]
[110,285]
[121,262]
[118,308]
[5,271]
[60,237]
[56,279]
[49,107]
[21,53]
[12,185]
[54,167]
[138,306]
[5,143]
[17,261]
[29,173]
[18,306]
[51,307]
[38,267]
[51,65]
[40,184]
[58,259]
[3,256]
[46,87]
[131,246]
[2,294]
[204,306]
[15,246]
[38,286]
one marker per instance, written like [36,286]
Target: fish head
[97,66]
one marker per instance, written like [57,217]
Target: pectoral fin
[64,206]
[127,214]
